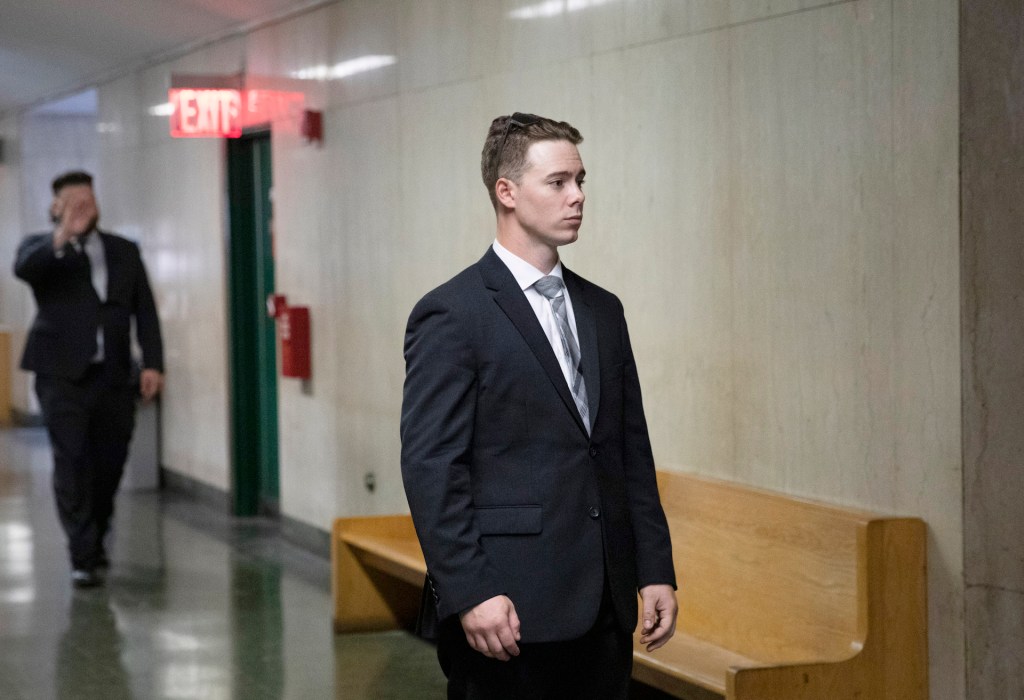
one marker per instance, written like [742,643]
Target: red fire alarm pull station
[276,305]
[313,126]
[295,355]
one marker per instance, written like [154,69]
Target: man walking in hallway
[88,286]
[525,452]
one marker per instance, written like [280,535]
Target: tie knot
[550,286]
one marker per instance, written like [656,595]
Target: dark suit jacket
[62,339]
[508,493]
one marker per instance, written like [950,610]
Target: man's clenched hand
[492,628]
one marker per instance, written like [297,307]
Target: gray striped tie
[551,287]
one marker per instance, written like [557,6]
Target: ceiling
[52,49]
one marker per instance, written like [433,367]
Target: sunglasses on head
[518,119]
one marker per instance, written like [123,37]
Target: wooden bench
[785,598]
[779,597]
[377,573]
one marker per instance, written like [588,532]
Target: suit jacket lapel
[586,330]
[513,302]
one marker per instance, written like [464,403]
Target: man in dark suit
[88,286]
[525,453]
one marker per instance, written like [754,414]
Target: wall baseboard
[196,490]
[303,535]
[307,537]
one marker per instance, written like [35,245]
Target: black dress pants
[90,423]
[595,666]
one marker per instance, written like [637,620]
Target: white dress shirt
[98,267]
[97,263]
[526,275]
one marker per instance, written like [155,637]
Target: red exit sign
[219,111]
[205,112]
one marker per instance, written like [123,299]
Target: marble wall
[772,190]
[37,147]
[12,292]
[170,195]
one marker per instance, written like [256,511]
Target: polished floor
[196,605]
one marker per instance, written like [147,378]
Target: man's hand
[76,211]
[150,383]
[659,617]
[492,628]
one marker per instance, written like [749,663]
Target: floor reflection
[388,665]
[89,656]
[257,623]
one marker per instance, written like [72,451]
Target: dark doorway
[254,440]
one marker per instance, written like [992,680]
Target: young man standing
[525,453]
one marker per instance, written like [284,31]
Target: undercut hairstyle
[504,154]
[74,177]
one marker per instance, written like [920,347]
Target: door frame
[252,389]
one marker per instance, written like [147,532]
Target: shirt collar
[525,273]
[91,239]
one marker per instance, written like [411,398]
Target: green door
[254,443]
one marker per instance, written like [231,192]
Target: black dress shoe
[85,578]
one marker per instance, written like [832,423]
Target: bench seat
[780,598]
[693,661]
[403,559]
[377,571]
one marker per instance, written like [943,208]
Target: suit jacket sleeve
[438,415]
[36,259]
[651,532]
[147,322]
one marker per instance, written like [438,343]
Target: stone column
[992,303]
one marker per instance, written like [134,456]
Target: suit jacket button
[595,512]
[593,452]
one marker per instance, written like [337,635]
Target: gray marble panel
[995,637]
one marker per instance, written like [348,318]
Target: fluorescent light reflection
[16,549]
[18,596]
[15,532]
[182,679]
[171,641]
[553,8]
[163,110]
[345,68]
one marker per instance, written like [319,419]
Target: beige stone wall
[169,194]
[37,147]
[12,296]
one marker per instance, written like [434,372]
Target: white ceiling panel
[52,48]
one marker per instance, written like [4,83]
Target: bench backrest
[772,577]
